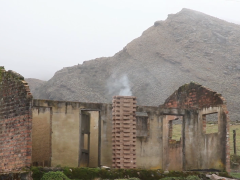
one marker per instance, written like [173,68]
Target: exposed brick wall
[15,122]
[193,96]
[124,132]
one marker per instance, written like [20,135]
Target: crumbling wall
[193,96]
[15,122]
[201,150]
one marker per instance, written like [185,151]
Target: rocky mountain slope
[187,46]
[34,83]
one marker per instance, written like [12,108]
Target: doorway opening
[89,151]
[173,142]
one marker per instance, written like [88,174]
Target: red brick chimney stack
[124,132]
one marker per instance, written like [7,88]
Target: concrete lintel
[173,111]
[89,109]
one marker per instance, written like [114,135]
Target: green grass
[58,175]
[211,128]
[237,128]
[235,175]
[176,131]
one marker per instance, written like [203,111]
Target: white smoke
[119,86]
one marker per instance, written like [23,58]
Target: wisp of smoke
[119,85]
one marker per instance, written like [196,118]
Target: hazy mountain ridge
[187,46]
[34,83]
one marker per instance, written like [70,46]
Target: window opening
[210,123]
[175,128]
[142,124]
[89,146]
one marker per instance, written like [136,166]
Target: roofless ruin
[119,135]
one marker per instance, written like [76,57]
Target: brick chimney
[124,132]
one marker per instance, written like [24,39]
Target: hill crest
[187,46]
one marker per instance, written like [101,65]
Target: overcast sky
[39,37]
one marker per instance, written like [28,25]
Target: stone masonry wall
[15,122]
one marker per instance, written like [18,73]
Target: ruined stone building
[120,135]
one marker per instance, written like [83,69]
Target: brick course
[15,122]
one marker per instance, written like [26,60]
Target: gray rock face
[34,83]
[187,46]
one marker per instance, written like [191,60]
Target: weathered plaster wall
[204,151]
[41,136]
[15,122]
[65,131]
[93,155]
[149,149]
[106,134]
[65,135]
[213,152]
[153,150]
